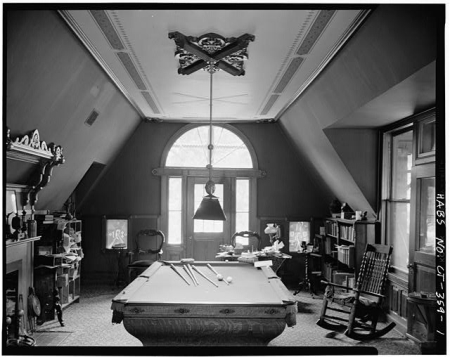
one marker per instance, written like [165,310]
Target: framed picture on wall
[299,235]
[115,232]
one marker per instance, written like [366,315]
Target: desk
[159,308]
[277,259]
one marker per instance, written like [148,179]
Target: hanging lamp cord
[210,146]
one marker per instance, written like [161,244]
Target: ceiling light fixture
[211,52]
[210,208]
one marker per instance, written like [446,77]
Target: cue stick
[192,272]
[215,272]
[176,271]
[198,271]
[189,273]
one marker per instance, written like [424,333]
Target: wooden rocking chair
[362,303]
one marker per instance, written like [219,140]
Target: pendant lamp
[210,208]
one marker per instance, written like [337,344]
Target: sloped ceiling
[382,73]
[385,73]
[291,46]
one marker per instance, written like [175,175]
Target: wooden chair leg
[351,318]
[374,322]
[324,308]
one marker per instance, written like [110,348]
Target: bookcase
[60,252]
[344,243]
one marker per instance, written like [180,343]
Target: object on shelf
[335,208]
[346,211]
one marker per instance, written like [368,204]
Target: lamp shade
[210,209]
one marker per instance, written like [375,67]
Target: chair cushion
[141,263]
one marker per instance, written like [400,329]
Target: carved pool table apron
[203,322]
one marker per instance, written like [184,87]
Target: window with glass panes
[190,151]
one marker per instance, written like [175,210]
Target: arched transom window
[191,149]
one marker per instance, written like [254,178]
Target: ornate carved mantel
[29,149]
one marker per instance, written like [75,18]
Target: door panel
[204,237]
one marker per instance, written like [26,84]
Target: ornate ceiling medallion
[211,52]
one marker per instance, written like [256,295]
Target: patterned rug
[88,323]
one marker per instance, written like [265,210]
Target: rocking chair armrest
[337,285]
[373,294]
[353,289]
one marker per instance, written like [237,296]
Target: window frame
[422,166]
[184,172]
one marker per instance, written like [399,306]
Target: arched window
[191,149]
[183,167]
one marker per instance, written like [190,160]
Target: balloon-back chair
[148,249]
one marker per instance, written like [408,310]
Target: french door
[204,237]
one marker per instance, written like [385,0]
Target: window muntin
[191,149]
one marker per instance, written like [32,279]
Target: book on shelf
[346,255]
[347,233]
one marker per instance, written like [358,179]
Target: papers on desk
[248,258]
[277,245]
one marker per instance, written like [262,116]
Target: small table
[160,308]
[306,283]
[121,271]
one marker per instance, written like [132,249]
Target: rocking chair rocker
[362,303]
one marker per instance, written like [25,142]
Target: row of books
[332,228]
[343,232]
[347,233]
[346,255]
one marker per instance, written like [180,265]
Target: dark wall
[288,190]
[128,186]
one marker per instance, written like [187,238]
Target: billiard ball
[219,277]
[229,279]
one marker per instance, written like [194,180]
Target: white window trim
[165,172]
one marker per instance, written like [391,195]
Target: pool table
[160,308]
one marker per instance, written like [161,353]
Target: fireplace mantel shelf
[23,241]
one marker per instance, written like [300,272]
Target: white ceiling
[134,48]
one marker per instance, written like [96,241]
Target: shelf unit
[345,241]
[70,292]
[67,277]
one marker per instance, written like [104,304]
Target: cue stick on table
[198,271]
[192,272]
[215,272]
[189,273]
[181,276]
